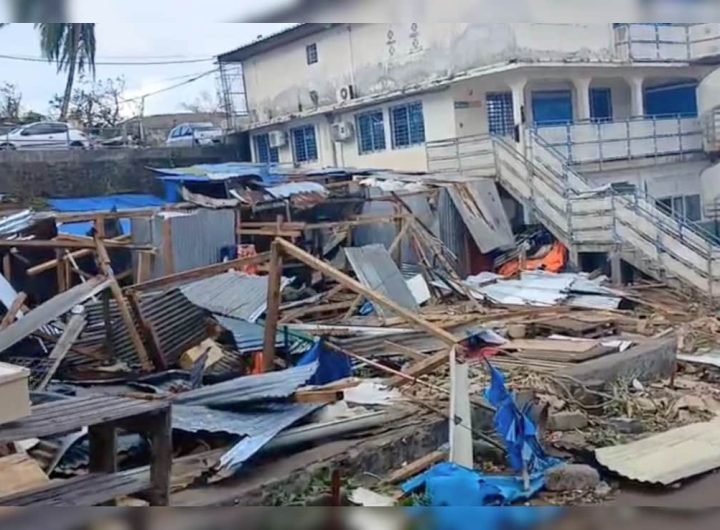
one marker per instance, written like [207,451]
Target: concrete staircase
[584,218]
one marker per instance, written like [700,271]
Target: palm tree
[72,48]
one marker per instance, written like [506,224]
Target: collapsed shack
[328,315]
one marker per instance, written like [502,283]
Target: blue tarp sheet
[103,203]
[482,518]
[333,365]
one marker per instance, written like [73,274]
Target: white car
[189,134]
[44,135]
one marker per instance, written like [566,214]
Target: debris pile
[283,318]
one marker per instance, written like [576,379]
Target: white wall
[377,58]
[663,180]
[439,124]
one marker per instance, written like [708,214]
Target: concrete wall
[29,175]
[377,58]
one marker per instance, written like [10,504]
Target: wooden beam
[167,248]
[359,288]
[273,306]
[317,396]
[13,310]
[200,272]
[62,347]
[7,266]
[104,264]
[59,243]
[422,367]
[416,466]
[48,265]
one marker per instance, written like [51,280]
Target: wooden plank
[317,396]
[416,467]
[59,243]
[200,272]
[161,457]
[359,288]
[7,266]
[556,345]
[20,473]
[273,306]
[13,310]
[49,265]
[104,263]
[62,347]
[167,247]
[423,367]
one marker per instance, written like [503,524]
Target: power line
[113,63]
[171,87]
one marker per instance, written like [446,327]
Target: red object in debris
[482,353]
[247,251]
[258,365]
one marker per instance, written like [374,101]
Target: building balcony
[636,138]
[668,42]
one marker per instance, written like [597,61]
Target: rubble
[324,321]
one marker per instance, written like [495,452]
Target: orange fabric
[553,261]
[258,364]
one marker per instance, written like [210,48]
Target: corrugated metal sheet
[249,337]
[122,201]
[178,325]
[453,232]
[232,294]
[197,237]
[383,233]
[295,188]
[273,385]
[376,270]
[50,310]
[667,457]
[479,204]
[17,222]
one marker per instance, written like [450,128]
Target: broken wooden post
[359,288]
[273,306]
[62,347]
[106,269]
[13,310]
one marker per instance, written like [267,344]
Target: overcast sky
[120,39]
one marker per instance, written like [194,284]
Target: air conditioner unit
[343,131]
[276,139]
[345,93]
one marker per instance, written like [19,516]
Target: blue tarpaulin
[333,365]
[483,518]
[516,429]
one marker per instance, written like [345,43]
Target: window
[263,152]
[500,113]
[407,125]
[552,107]
[304,144]
[371,132]
[670,101]
[311,53]
[687,207]
[601,104]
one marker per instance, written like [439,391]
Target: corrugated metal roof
[667,457]
[268,173]
[17,222]
[232,294]
[249,337]
[376,270]
[273,385]
[294,188]
[479,204]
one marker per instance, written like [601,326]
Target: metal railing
[587,141]
[667,42]
[579,214]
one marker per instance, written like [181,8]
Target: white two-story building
[554,113]
[615,99]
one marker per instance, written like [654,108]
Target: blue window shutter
[305,144]
[407,125]
[265,154]
[371,132]
[601,104]
[552,107]
[671,100]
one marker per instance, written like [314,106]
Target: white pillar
[637,97]
[582,89]
[518,97]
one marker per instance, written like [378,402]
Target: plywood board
[554,345]
[19,473]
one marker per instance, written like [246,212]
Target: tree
[72,48]
[10,102]
[94,104]
[205,103]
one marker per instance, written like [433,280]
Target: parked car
[45,135]
[189,134]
